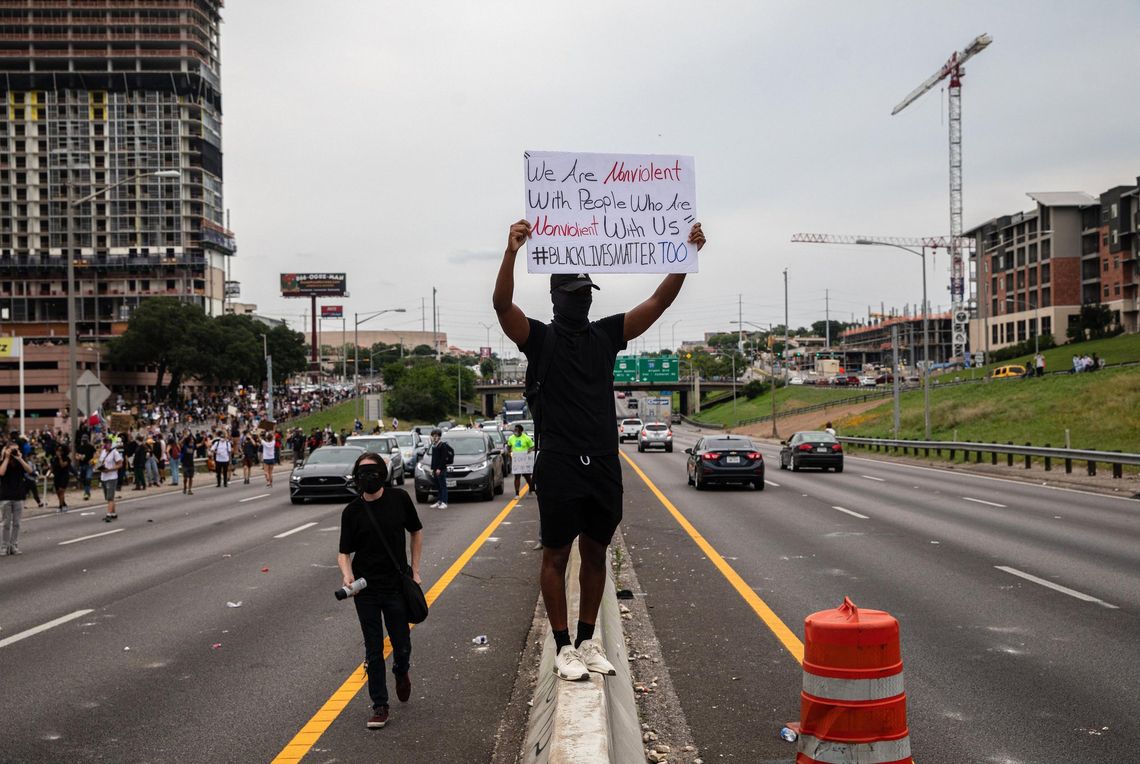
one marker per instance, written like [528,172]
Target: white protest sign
[610,213]
[522,462]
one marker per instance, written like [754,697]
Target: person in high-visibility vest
[521,443]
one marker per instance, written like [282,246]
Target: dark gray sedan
[325,474]
[811,449]
[477,469]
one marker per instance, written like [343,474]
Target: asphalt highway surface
[1017,603]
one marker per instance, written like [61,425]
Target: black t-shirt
[577,407]
[85,452]
[395,513]
[13,483]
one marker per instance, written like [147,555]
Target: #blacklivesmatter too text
[610,213]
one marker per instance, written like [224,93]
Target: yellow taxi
[1008,372]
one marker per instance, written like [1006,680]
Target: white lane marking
[774,485]
[44,627]
[853,514]
[1055,587]
[251,498]
[983,501]
[94,536]
[948,473]
[878,480]
[298,529]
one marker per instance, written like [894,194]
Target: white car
[796,381]
[629,429]
[866,381]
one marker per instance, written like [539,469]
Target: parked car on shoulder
[629,429]
[867,381]
[811,449]
[1010,371]
[725,459]
[796,381]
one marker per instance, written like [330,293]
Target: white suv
[629,429]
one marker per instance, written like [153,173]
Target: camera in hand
[345,592]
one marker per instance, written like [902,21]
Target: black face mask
[572,309]
[370,480]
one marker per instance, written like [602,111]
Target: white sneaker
[434,506]
[568,665]
[441,506]
[595,658]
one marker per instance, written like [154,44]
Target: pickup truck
[629,429]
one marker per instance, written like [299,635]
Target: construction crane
[933,242]
[953,69]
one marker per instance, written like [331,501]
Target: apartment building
[1035,269]
[871,344]
[107,94]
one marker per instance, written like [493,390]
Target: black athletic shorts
[577,495]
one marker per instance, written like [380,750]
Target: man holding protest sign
[570,388]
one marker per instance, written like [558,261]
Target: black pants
[371,604]
[223,470]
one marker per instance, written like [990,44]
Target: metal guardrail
[1028,452]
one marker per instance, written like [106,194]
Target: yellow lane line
[323,718]
[790,641]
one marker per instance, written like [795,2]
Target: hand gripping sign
[610,213]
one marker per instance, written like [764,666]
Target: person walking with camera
[375,529]
[13,490]
[442,454]
[570,387]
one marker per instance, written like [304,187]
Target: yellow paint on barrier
[787,638]
[304,740]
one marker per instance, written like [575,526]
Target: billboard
[313,285]
[332,311]
[233,289]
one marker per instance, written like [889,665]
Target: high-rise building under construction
[122,95]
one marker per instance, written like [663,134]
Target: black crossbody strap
[384,541]
[545,358]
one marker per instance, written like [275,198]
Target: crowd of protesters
[167,445]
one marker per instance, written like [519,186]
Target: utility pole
[895,372]
[434,325]
[740,321]
[423,316]
[785,366]
[827,315]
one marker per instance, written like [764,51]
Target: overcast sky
[385,140]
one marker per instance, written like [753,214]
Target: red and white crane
[953,69]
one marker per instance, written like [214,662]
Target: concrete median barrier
[592,721]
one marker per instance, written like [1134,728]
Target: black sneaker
[378,719]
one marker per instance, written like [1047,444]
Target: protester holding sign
[577,471]
[521,447]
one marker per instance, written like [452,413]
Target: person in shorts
[520,443]
[268,456]
[577,471]
[109,462]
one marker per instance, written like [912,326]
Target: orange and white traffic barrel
[853,704]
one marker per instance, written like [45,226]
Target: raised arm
[638,320]
[511,317]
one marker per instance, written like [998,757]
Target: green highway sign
[659,369]
[625,368]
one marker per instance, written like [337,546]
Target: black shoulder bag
[533,392]
[415,603]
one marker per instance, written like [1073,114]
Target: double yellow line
[323,718]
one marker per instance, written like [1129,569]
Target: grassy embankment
[1101,410]
[790,397]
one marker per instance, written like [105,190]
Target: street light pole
[356,322]
[925,329]
[673,335]
[771,372]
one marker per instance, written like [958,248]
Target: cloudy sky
[385,139]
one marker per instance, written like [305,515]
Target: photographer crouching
[373,548]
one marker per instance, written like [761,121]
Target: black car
[811,449]
[478,467]
[725,459]
[325,474]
